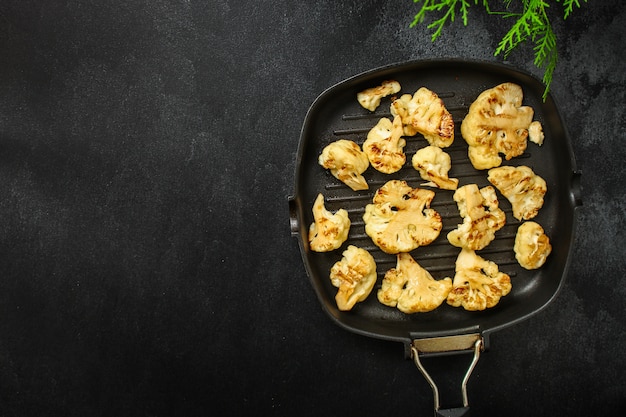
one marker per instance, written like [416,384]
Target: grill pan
[336,114]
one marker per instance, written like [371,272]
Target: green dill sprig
[448,9]
[531,23]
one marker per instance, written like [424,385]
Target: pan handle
[444,345]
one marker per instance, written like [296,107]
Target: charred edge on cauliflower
[411,288]
[384,146]
[328,231]
[532,246]
[433,165]
[370,98]
[400,218]
[523,188]
[425,113]
[346,162]
[496,123]
[478,284]
[482,217]
[354,276]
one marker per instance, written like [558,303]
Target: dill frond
[531,24]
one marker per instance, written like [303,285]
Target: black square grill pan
[336,114]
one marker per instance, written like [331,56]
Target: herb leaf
[532,24]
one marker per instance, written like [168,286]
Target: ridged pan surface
[336,114]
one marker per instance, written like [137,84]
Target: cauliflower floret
[477,284]
[384,146]
[535,133]
[522,187]
[433,165]
[328,231]
[532,246]
[496,123]
[400,218]
[425,113]
[411,288]
[354,275]
[484,157]
[370,98]
[482,217]
[346,162]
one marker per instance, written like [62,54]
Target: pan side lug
[293,216]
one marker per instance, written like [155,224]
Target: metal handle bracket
[442,345]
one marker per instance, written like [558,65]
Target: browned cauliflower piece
[370,98]
[482,217]
[535,133]
[478,284]
[522,187]
[433,165]
[496,123]
[411,288]
[384,146]
[400,218]
[484,157]
[354,275]
[346,162]
[328,231]
[425,113]
[532,246]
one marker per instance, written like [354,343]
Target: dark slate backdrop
[146,265]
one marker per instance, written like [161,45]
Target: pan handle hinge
[444,345]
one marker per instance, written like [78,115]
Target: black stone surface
[146,264]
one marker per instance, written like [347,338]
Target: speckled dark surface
[146,264]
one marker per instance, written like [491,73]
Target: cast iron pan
[336,114]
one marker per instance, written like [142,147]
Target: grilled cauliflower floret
[496,123]
[535,133]
[384,146]
[522,187]
[433,165]
[484,157]
[400,218]
[482,217]
[354,275]
[328,231]
[346,162]
[425,113]
[477,284]
[411,288]
[370,98]
[532,246]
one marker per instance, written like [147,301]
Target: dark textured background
[146,265]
